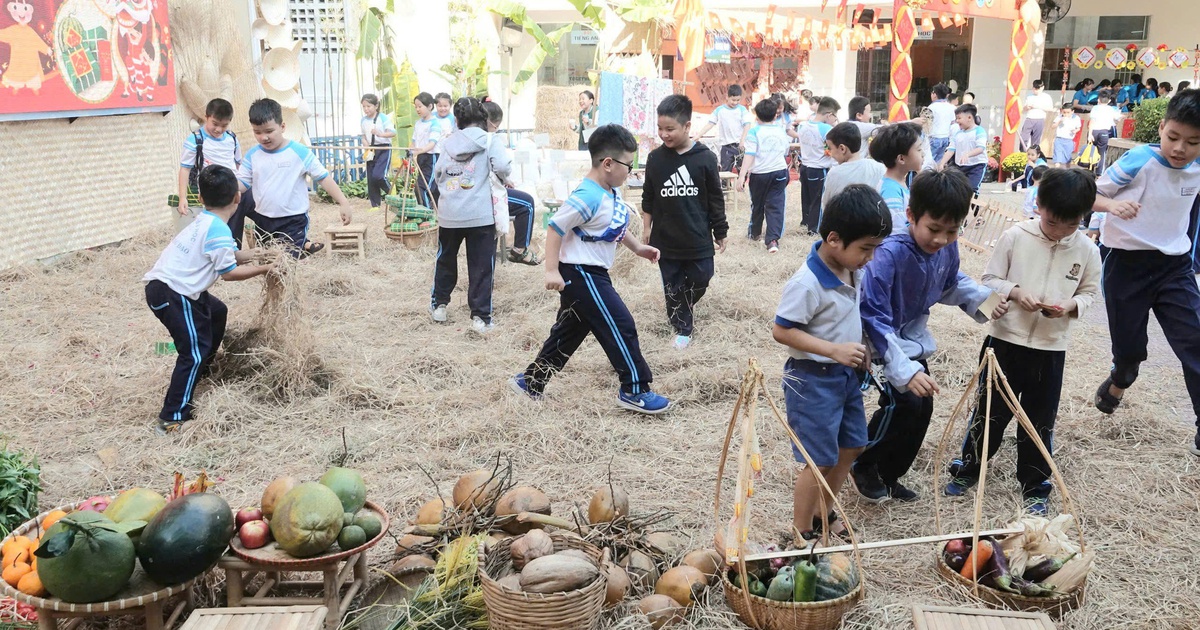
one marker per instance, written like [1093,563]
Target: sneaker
[645,402]
[480,326]
[899,492]
[1195,449]
[1037,506]
[869,485]
[772,247]
[438,313]
[958,486]
[682,341]
[168,426]
[521,386]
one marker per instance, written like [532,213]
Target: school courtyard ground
[80,384]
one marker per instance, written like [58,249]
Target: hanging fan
[1054,10]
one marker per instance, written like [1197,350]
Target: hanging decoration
[1084,56]
[1179,58]
[1019,47]
[905,28]
[1148,57]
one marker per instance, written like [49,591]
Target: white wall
[1172,22]
[833,74]
[991,43]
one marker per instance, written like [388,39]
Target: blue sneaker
[958,486]
[1037,506]
[518,385]
[645,402]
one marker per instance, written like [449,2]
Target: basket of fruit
[542,580]
[303,525]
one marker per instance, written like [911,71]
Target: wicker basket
[773,615]
[513,610]
[1054,606]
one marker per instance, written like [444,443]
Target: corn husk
[1042,537]
[1073,573]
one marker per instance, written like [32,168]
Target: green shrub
[20,482]
[1146,119]
[354,189]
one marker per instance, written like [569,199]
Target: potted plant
[1014,164]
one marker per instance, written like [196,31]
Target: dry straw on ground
[556,108]
[80,386]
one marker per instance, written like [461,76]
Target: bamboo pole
[879,544]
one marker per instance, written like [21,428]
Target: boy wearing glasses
[581,245]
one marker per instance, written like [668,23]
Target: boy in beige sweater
[1052,273]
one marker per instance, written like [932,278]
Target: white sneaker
[481,327]
[682,341]
[438,313]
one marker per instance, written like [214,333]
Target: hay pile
[556,108]
[80,386]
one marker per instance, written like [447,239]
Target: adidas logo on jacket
[680,185]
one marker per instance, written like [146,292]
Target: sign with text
[721,50]
[585,38]
[66,58]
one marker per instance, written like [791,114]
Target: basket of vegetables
[1039,567]
[789,590]
[541,580]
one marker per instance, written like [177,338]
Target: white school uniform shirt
[1041,103]
[865,129]
[860,171]
[963,142]
[425,131]
[1030,206]
[223,151]
[730,122]
[1166,194]
[812,145]
[380,120]
[817,302]
[444,128]
[943,118]
[591,222]
[276,178]
[1104,117]
[768,143]
[196,257]
[1069,127]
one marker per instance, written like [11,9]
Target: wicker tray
[1054,606]
[140,591]
[514,610]
[272,555]
[773,615]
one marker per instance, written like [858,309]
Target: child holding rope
[1052,273]
[818,320]
[911,272]
[177,289]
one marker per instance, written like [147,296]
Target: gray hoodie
[463,171]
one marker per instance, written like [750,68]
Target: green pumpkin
[836,577]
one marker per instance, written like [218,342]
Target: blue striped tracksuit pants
[520,208]
[197,327]
[590,305]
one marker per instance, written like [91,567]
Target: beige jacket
[1052,271]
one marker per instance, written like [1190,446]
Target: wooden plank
[946,618]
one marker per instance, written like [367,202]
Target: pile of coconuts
[656,567]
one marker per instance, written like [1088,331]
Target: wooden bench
[945,618]
[347,239]
[258,618]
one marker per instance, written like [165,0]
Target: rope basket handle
[751,390]
[995,381]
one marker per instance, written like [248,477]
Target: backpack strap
[237,149]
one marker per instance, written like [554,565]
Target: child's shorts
[824,408]
[290,231]
[1064,150]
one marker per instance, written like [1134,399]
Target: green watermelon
[185,538]
[94,567]
[348,485]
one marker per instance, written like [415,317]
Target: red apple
[245,515]
[254,534]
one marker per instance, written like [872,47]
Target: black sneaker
[899,492]
[1196,445]
[869,485]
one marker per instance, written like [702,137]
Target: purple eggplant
[955,560]
[1044,569]
[1031,589]
[997,570]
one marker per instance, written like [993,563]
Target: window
[569,64]
[320,24]
[873,77]
[1052,69]
[1123,28]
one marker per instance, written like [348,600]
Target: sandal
[1105,401]
[836,526]
[527,257]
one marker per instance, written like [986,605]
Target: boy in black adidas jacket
[683,210]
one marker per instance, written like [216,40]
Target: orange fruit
[14,572]
[31,584]
[52,518]
[19,556]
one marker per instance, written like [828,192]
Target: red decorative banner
[1016,77]
[63,58]
[902,67]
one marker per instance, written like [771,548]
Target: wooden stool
[350,573]
[944,618]
[258,618]
[347,239]
[727,187]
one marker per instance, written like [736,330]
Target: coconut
[493,539]
[682,584]
[642,570]
[607,504]
[430,513]
[512,582]
[522,499]
[577,554]
[618,584]
[708,562]
[671,545]
[535,544]
[409,564]
[662,611]
[475,489]
[410,543]
[275,490]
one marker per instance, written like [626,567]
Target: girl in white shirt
[378,131]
